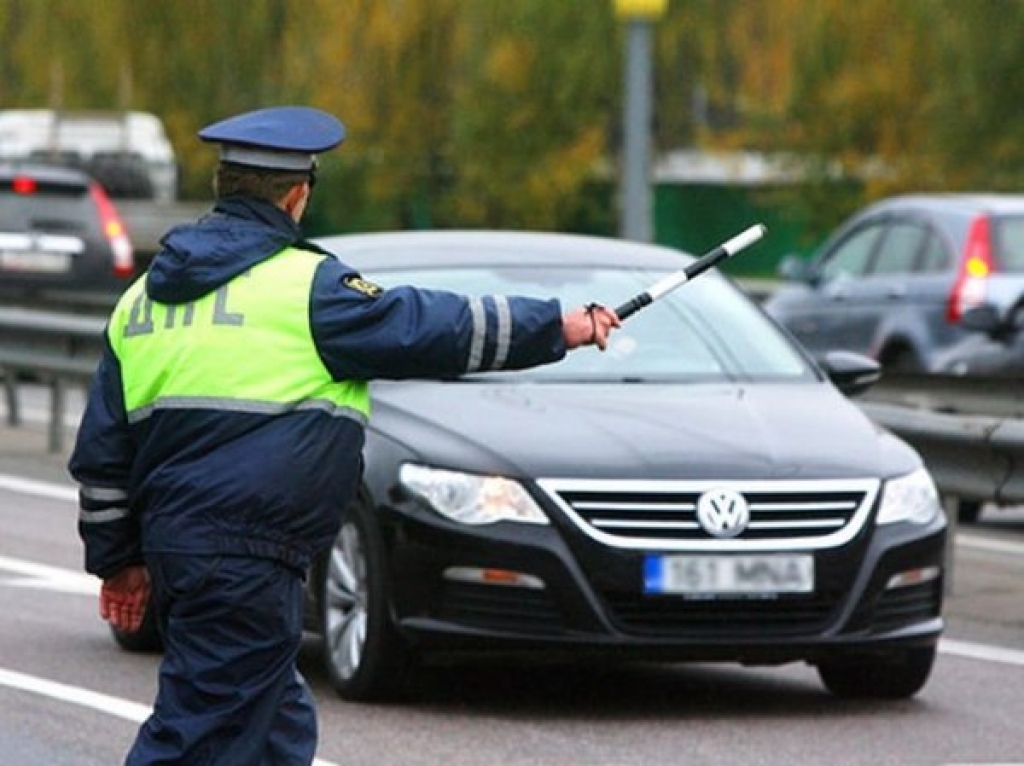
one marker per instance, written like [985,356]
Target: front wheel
[968,511]
[902,360]
[366,658]
[900,675]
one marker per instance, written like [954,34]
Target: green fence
[698,217]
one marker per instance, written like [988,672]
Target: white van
[128,152]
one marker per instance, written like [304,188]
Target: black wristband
[590,308]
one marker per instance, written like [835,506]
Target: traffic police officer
[222,436]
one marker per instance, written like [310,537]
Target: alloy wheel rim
[345,609]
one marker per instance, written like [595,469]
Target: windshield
[706,330]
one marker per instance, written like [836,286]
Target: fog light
[913,577]
[504,577]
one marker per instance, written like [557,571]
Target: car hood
[763,431]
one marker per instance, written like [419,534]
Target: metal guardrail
[57,349]
[971,457]
[970,431]
[998,396]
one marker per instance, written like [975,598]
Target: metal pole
[57,398]
[951,505]
[636,132]
[11,393]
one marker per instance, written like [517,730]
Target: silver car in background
[894,280]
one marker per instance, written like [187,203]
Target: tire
[902,360]
[365,657]
[898,676]
[968,511]
[145,640]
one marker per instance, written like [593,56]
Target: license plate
[751,575]
[35,261]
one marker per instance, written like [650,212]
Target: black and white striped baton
[666,285]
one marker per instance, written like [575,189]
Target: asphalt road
[68,697]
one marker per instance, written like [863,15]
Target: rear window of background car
[1009,244]
[49,208]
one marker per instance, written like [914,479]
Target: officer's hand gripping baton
[672,281]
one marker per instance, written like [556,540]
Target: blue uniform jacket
[220,482]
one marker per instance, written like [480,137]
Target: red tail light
[969,288]
[24,185]
[124,253]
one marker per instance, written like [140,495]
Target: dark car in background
[895,279]
[59,231]
[995,345]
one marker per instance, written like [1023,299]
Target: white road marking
[119,708]
[43,577]
[38,488]
[990,544]
[76,695]
[983,652]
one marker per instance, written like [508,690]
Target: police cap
[277,138]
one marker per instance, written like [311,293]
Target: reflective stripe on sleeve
[103,494]
[476,348]
[504,332]
[103,517]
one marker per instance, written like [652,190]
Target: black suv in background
[59,230]
[895,279]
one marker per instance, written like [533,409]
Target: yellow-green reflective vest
[247,347]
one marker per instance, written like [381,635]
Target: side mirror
[851,373]
[793,268]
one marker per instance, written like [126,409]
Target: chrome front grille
[791,515]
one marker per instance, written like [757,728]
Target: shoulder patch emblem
[360,285]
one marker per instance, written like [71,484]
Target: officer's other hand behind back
[124,597]
[589,325]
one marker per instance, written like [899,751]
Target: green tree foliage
[919,94]
[487,113]
[389,70]
[465,112]
[976,105]
[533,107]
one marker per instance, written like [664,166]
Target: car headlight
[469,498]
[911,498]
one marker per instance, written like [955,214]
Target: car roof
[966,203]
[44,173]
[463,247]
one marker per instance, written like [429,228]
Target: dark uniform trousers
[229,693]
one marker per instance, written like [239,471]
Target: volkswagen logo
[723,512]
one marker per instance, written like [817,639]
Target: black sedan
[702,490]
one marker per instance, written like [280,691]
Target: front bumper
[457,590]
